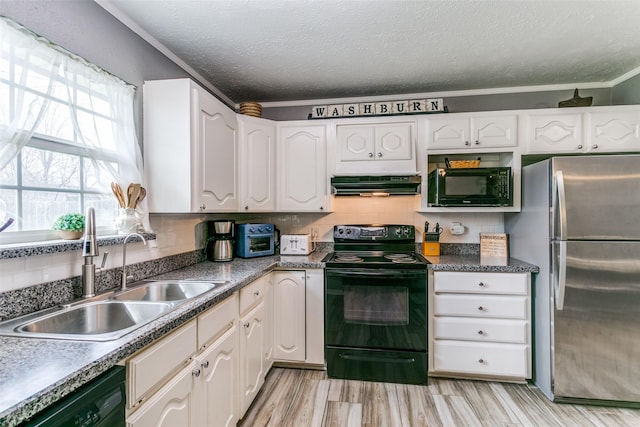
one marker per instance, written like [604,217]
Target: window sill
[20,250]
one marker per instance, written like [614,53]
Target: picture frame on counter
[365,109]
[494,248]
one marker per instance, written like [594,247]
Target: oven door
[376,308]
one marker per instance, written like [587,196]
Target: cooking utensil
[117,191]
[437,229]
[6,224]
[426,226]
[134,193]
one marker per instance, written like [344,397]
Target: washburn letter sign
[378,108]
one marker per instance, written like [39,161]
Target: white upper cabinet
[613,131]
[302,168]
[555,132]
[189,148]
[257,152]
[589,130]
[478,131]
[376,148]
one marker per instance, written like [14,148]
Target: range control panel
[373,232]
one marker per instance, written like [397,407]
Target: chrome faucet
[124,257]
[89,250]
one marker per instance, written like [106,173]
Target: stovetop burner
[348,258]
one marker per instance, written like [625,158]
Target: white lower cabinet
[251,355]
[189,377]
[289,316]
[217,386]
[298,322]
[480,325]
[173,405]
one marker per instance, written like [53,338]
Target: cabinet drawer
[501,360]
[508,307]
[471,329]
[252,294]
[156,363]
[483,283]
[217,320]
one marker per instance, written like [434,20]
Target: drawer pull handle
[481,308]
[482,285]
[480,332]
[481,361]
[196,373]
[257,293]
[205,365]
[246,325]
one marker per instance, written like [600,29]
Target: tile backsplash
[178,234]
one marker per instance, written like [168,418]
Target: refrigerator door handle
[561,211]
[561,280]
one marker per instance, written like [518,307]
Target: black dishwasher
[99,403]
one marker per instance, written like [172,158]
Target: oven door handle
[377,273]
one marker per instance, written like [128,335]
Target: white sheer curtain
[45,85]
[25,109]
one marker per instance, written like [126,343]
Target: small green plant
[69,222]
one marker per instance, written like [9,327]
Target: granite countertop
[475,263]
[37,372]
[34,372]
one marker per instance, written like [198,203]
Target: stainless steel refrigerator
[580,223]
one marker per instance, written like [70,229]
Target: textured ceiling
[278,50]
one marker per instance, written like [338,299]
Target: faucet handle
[104,260]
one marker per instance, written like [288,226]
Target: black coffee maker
[220,240]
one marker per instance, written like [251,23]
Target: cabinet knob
[246,325]
[196,372]
[594,146]
[203,207]
[205,365]
[467,143]
[321,208]
[481,361]
[579,146]
[480,332]
[477,142]
[370,155]
[481,284]
[246,208]
[481,308]
[379,154]
[256,293]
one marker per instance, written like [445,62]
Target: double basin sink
[109,316]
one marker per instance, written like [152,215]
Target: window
[66,133]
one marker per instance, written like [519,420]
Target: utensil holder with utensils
[129,219]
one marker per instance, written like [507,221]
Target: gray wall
[84,28]
[461,104]
[627,92]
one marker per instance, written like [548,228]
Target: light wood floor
[302,398]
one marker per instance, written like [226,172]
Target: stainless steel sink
[109,316]
[91,321]
[166,290]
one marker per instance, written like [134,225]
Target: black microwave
[471,187]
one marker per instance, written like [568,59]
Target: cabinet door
[215,156]
[315,316]
[494,131]
[448,133]
[268,322]
[289,315]
[302,171]
[355,143]
[617,131]
[394,141]
[218,385]
[173,405]
[251,363]
[256,176]
[554,133]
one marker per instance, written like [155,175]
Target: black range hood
[400,185]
